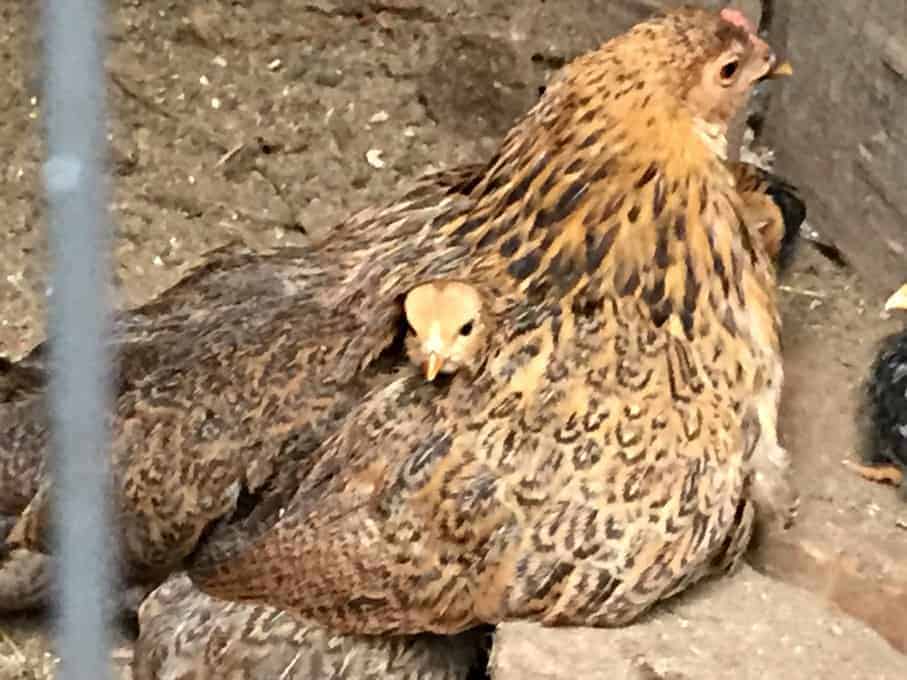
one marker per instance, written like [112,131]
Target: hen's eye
[466,328]
[729,69]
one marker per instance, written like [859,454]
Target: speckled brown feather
[615,445]
[187,634]
[24,576]
[22,440]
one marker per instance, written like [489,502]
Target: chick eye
[729,69]
[466,328]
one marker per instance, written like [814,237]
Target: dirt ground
[267,121]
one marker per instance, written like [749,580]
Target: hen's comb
[737,18]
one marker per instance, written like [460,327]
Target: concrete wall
[840,128]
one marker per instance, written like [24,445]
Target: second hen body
[187,634]
[622,431]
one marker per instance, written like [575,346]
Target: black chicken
[886,407]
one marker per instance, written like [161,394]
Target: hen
[886,407]
[187,634]
[622,430]
[23,575]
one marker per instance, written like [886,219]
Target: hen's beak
[898,300]
[782,69]
[776,69]
[433,366]
[779,70]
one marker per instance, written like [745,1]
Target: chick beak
[898,300]
[433,366]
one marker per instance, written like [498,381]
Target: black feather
[886,404]
[793,213]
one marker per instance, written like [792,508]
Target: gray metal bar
[76,135]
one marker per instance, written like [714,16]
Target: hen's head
[731,59]
[700,62]
[448,327]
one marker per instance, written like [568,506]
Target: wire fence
[79,316]
[74,180]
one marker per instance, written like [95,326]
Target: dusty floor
[25,653]
[267,121]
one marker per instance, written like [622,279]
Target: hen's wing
[331,547]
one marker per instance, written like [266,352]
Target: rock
[869,585]
[745,627]
[837,126]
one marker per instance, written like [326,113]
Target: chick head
[898,300]
[764,216]
[447,327]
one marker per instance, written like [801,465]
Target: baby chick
[887,407]
[447,327]
[773,207]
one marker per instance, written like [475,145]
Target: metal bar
[77,205]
